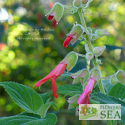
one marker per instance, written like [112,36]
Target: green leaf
[29,119]
[105,99]
[68,89]
[37,122]
[54,105]
[45,97]
[66,75]
[44,108]
[73,93]
[118,91]
[51,119]
[19,119]
[24,96]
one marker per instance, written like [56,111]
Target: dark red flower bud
[50,17]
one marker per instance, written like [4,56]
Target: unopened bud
[121,76]
[74,35]
[95,74]
[56,11]
[76,32]
[114,80]
[84,1]
[89,55]
[70,60]
[101,32]
[76,3]
[99,50]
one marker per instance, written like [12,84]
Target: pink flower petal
[54,88]
[67,41]
[59,69]
[84,97]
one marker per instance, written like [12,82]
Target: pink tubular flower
[73,35]
[59,69]
[84,97]
[67,41]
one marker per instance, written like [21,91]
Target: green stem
[109,122]
[68,7]
[94,61]
[81,15]
[80,55]
[103,91]
[101,87]
[108,77]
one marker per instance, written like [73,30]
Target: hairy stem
[80,55]
[68,7]
[101,87]
[81,15]
[108,77]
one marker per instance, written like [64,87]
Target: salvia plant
[83,81]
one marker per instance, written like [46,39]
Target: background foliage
[31,46]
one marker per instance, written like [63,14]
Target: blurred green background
[31,47]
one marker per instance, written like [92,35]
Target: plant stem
[84,25]
[68,7]
[81,15]
[101,87]
[108,77]
[109,122]
[80,55]
[94,61]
